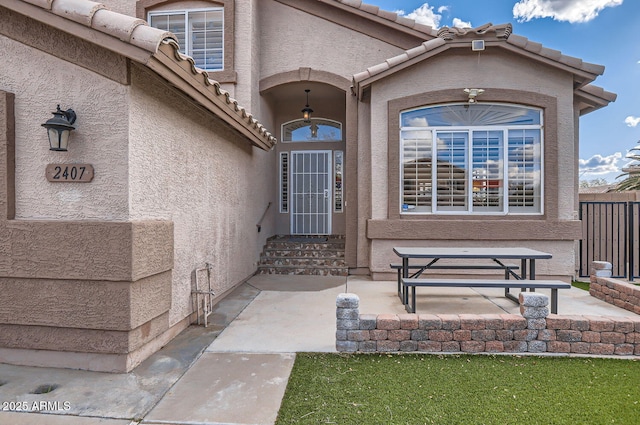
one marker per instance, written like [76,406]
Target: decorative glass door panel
[310,192]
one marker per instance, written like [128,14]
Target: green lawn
[581,285]
[460,389]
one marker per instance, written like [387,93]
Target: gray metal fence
[610,232]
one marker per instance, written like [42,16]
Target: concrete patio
[235,371]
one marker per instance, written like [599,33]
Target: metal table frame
[495,254]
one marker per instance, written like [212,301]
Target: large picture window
[471,158]
[200,33]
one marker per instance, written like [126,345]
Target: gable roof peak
[502,31]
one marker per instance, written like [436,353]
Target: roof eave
[581,77]
[384,17]
[364,80]
[178,70]
[591,98]
[78,30]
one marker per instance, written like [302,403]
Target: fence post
[630,240]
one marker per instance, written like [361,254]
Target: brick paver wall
[535,331]
[613,291]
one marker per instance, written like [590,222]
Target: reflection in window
[488,159]
[316,130]
[465,115]
[200,34]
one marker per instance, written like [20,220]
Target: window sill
[474,228]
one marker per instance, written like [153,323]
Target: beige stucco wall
[99,139]
[338,49]
[248,43]
[126,7]
[174,189]
[187,167]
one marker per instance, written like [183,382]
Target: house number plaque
[71,173]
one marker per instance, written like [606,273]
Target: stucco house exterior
[189,114]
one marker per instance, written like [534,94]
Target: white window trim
[469,154]
[187,47]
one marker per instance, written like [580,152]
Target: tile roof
[391,17]
[494,35]
[592,97]
[158,45]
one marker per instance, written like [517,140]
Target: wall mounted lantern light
[306,111]
[59,128]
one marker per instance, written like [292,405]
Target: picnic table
[429,257]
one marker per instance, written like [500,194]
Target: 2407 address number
[76,173]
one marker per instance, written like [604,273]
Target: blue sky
[605,32]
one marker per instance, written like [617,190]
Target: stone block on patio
[345,300]
[346,346]
[368,321]
[534,312]
[533,299]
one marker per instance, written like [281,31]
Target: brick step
[304,255]
[305,271]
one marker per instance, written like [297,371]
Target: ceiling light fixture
[306,111]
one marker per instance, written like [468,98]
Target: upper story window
[205,29]
[200,33]
[465,159]
[315,130]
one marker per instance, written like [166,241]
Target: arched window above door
[315,130]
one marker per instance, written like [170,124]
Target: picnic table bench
[411,283]
[497,255]
[508,270]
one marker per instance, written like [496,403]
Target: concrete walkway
[235,371]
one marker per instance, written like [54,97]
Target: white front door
[310,192]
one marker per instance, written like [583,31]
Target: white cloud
[459,23]
[561,10]
[632,121]
[418,122]
[427,16]
[599,164]
[424,15]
